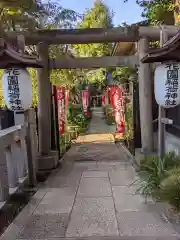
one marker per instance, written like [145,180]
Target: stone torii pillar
[44,101]
[48,159]
[145,99]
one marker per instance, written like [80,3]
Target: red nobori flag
[66,102]
[85,101]
[61,108]
[103,100]
[117,100]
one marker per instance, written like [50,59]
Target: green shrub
[129,132]
[170,160]
[151,174]
[62,144]
[153,171]
[169,190]
[149,162]
[77,118]
[109,114]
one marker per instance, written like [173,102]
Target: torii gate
[43,38]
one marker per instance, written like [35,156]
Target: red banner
[85,101]
[112,91]
[103,100]
[61,108]
[66,102]
[117,100]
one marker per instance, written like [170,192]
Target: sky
[123,12]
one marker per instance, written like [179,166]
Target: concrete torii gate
[44,38]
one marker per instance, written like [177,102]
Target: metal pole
[162,113]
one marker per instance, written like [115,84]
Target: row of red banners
[116,98]
[63,96]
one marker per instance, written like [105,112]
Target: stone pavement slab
[94,187]
[71,180]
[95,174]
[45,226]
[138,223]
[93,217]
[113,238]
[126,200]
[57,201]
[104,166]
[101,167]
[122,177]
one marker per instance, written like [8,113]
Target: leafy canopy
[16,15]
[22,15]
[158,11]
[99,16]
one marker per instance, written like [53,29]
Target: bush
[129,132]
[170,160]
[62,144]
[169,190]
[153,173]
[109,114]
[77,118]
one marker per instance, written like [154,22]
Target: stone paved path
[90,197]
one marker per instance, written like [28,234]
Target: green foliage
[97,76]
[65,142]
[151,173]
[57,17]
[160,178]
[69,78]
[33,75]
[170,159]
[54,15]
[109,114]
[66,77]
[77,118]
[33,14]
[123,74]
[128,135]
[98,17]
[170,188]
[158,11]
[77,124]
[18,15]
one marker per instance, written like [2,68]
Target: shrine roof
[9,57]
[169,52]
